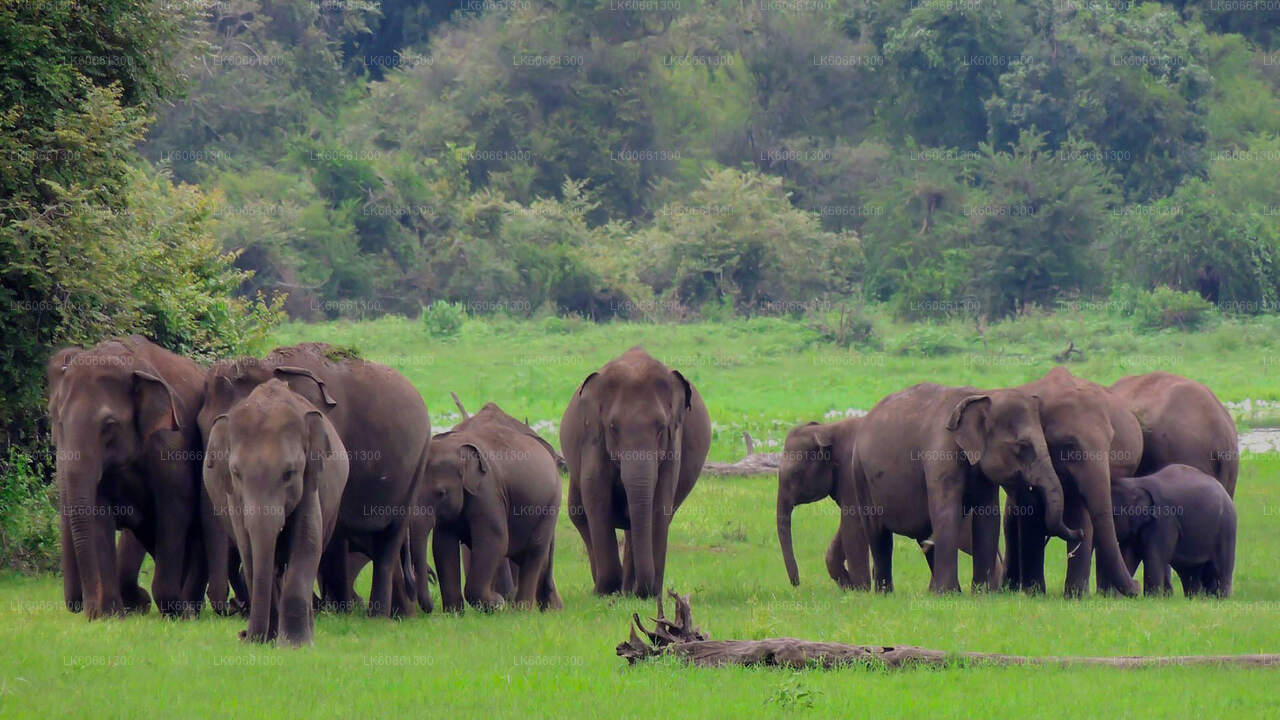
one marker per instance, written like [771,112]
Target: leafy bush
[1165,307]
[28,513]
[927,341]
[443,319]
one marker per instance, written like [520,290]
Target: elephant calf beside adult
[635,435]
[383,425]
[926,456]
[275,470]
[493,486]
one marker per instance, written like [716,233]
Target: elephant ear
[217,480]
[324,391]
[588,379]
[823,440]
[55,369]
[474,468]
[319,450]
[157,405]
[684,389]
[968,425]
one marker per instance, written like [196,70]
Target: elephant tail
[406,566]
[406,546]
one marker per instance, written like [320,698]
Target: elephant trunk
[263,532]
[785,507]
[1046,481]
[1096,490]
[639,478]
[78,491]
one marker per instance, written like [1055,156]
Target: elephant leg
[946,508]
[628,564]
[402,606]
[661,536]
[1076,515]
[835,563]
[129,557]
[882,557]
[108,589]
[604,540]
[1131,557]
[1155,570]
[1028,511]
[488,545]
[297,618]
[217,557]
[446,551]
[335,583]
[385,548]
[984,527]
[72,590]
[420,531]
[1192,582]
[856,551]
[533,565]
[173,527]
[578,516]
[504,580]
[1012,546]
[236,579]
[548,596]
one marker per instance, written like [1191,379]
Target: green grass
[725,553]
[762,375]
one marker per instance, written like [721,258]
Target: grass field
[760,375]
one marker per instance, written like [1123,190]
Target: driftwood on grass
[752,464]
[681,638]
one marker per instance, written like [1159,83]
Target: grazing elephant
[275,470]
[123,415]
[1092,437]
[927,455]
[385,429]
[1178,516]
[1182,422]
[493,486]
[814,459]
[635,435]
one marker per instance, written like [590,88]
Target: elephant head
[104,404]
[806,474]
[231,381]
[456,469]
[1132,507]
[634,414]
[263,457]
[999,432]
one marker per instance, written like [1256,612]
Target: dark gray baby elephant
[492,485]
[1177,516]
[275,470]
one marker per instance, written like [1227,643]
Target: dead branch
[681,638]
[458,402]
[751,446]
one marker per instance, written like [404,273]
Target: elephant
[123,415]
[814,457]
[634,437]
[492,484]
[384,426]
[275,470]
[1092,437]
[1182,422]
[925,456]
[1177,516]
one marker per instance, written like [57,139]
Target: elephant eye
[1026,452]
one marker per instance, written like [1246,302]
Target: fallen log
[682,639]
[751,464]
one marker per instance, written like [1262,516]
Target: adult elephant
[635,435]
[1183,422]
[383,425]
[1092,437]
[926,456]
[128,457]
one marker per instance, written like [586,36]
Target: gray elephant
[1177,517]
[275,470]
[634,436]
[926,456]
[123,415]
[384,426]
[1182,422]
[492,485]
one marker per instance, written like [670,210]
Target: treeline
[603,157]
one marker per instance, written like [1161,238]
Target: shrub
[443,319]
[1165,307]
[28,513]
[927,341]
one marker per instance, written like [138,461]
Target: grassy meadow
[763,376]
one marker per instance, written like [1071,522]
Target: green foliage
[28,512]
[443,319]
[1165,307]
[792,695]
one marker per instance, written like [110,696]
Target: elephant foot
[75,605]
[551,602]
[255,638]
[135,600]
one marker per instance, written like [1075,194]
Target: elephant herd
[283,475]
[1143,472]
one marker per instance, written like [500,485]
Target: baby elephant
[275,470]
[1177,516]
[493,486]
